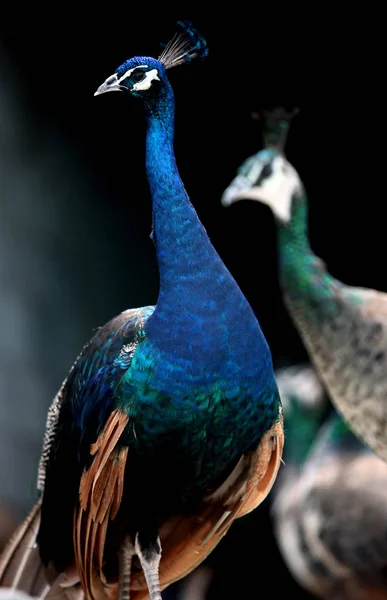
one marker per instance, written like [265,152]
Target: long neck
[195,286]
[302,273]
[182,244]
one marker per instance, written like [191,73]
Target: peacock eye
[138,76]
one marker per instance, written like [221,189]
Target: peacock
[169,424]
[344,328]
[329,505]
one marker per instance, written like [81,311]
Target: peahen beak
[237,190]
[110,85]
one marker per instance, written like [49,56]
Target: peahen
[329,505]
[343,328]
[169,424]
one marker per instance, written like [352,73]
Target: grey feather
[330,517]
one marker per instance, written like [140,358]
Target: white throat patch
[277,190]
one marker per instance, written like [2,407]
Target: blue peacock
[330,502]
[344,328]
[169,424]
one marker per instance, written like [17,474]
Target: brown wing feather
[265,465]
[187,541]
[100,495]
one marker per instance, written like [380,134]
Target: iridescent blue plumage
[178,400]
[197,41]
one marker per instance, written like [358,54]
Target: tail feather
[21,569]
[20,564]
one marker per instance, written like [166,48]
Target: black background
[328,64]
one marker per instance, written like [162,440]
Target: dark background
[92,195]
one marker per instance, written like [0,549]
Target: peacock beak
[110,85]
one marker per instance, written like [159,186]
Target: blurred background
[75,211]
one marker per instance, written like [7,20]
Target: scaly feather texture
[330,506]
[170,423]
[344,328]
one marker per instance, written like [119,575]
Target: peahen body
[169,424]
[344,328]
[330,500]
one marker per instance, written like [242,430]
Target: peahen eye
[266,171]
[138,76]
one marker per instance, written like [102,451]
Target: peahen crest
[183,47]
[276,124]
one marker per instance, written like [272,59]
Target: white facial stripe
[254,172]
[147,82]
[128,73]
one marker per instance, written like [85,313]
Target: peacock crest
[183,47]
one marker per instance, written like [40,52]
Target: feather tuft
[276,123]
[183,47]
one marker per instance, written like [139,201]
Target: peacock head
[141,76]
[144,76]
[267,176]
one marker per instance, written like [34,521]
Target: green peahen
[344,328]
[169,424]
[329,505]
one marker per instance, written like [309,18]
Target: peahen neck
[303,276]
[197,294]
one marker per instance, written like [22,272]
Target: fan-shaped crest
[183,47]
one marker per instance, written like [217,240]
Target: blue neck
[197,293]
[180,238]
